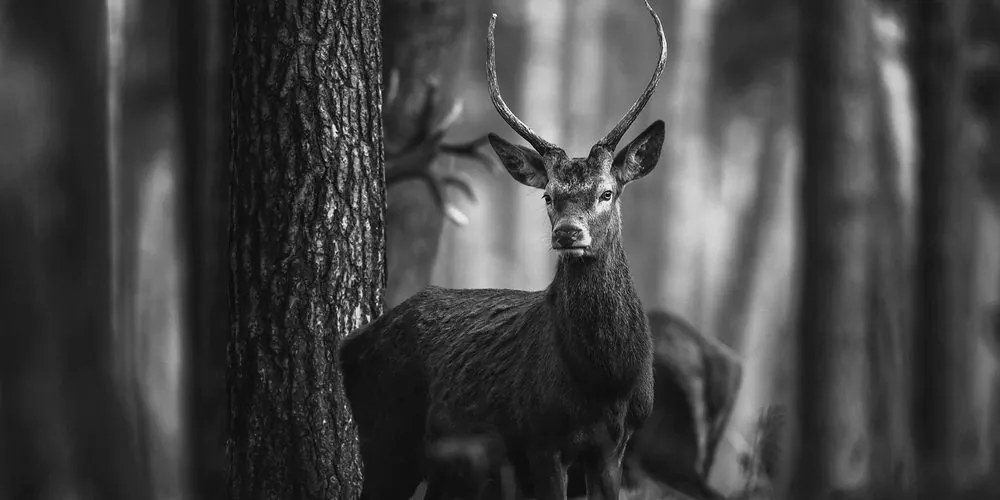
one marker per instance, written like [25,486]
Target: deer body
[558,376]
[507,363]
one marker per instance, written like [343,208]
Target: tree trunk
[584,64]
[307,239]
[755,226]
[203,35]
[423,45]
[891,298]
[837,189]
[945,221]
[542,85]
[680,286]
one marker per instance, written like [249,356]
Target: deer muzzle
[571,239]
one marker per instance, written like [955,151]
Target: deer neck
[600,326]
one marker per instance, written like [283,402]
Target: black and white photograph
[500,249]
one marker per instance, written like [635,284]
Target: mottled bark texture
[837,189]
[945,243]
[204,37]
[423,45]
[307,242]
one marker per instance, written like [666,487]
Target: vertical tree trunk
[584,65]
[756,224]
[423,44]
[307,239]
[838,183]
[630,58]
[891,298]
[75,435]
[680,286]
[147,234]
[483,253]
[203,35]
[542,85]
[945,221]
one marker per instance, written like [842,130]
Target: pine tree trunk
[945,242]
[307,239]
[837,188]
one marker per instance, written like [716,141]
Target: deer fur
[559,376]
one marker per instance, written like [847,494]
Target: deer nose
[566,236]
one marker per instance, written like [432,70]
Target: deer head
[581,194]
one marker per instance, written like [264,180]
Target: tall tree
[837,188]
[203,37]
[945,241]
[423,44]
[681,285]
[891,319]
[307,241]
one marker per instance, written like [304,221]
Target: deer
[560,377]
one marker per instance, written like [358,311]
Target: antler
[540,145]
[611,140]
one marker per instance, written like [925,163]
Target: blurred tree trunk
[422,42]
[543,83]
[891,304]
[756,223]
[75,408]
[680,286]
[148,235]
[837,190]
[984,81]
[946,235]
[307,261]
[35,445]
[204,46]
[584,64]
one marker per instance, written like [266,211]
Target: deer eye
[547,198]
[606,196]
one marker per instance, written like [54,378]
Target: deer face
[581,194]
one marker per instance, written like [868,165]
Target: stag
[560,376]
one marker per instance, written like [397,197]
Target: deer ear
[524,165]
[640,156]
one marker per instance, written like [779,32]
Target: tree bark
[307,239]
[837,189]
[945,242]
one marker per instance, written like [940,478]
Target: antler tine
[611,140]
[540,145]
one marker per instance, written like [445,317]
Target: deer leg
[603,472]
[549,474]
[603,469]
